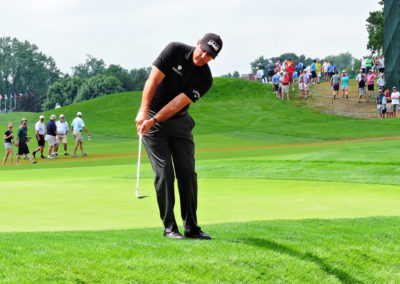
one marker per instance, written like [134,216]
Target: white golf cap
[42,116]
[79,113]
[53,116]
[61,115]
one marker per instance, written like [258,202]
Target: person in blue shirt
[345,84]
[275,81]
[379,104]
[299,66]
[331,69]
[76,126]
[52,133]
[313,72]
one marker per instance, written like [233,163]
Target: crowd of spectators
[55,133]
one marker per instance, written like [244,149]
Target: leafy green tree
[90,68]
[236,74]
[62,92]
[97,86]
[122,75]
[375,29]
[24,69]
[139,77]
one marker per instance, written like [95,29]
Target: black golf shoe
[34,154]
[173,235]
[198,235]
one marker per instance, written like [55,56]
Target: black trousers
[170,147]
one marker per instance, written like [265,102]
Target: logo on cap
[213,44]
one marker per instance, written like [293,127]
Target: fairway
[306,198]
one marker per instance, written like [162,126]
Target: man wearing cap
[51,136]
[371,82]
[395,101]
[22,138]
[40,131]
[76,126]
[180,76]
[270,68]
[62,128]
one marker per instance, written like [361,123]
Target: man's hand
[140,118]
[145,126]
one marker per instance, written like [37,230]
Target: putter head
[140,196]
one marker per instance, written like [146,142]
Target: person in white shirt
[381,64]
[62,128]
[40,129]
[395,101]
[381,82]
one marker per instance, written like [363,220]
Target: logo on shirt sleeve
[196,94]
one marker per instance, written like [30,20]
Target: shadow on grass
[273,246]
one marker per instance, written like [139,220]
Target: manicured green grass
[273,181]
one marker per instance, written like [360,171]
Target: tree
[343,61]
[24,69]
[97,86]
[90,68]
[236,74]
[62,92]
[139,77]
[375,29]
[122,75]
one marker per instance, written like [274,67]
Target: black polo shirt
[181,76]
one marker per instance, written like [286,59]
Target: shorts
[313,74]
[345,87]
[276,86]
[62,140]
[23,148]
[301,87]
[370,87]
[51,139]
[7,145]
[271,73]
[361,91]
[336,87]
[394,107]
[330,74]
[319,74]
[389,108]
[78,136]
[379,108]
[306,86]
[285,88]
[40,141]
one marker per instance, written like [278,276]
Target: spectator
[301,83]
[375,67]
[361,86]
[270,69]
[306,84]
[363,64]
[368,64]
[275,82]
[295,79]
[335,81]
[8,142]
[381,64]
[57,106]
[395,101]
[360,75]
[345,84]
[371,82]
[22,139]
[313,72]
[260,73]
[51,136]
[40,130]
[389,109]
[62,128]
[299,66]
[285,86]
[331,69]
[379,106]
[381,82]
[318,69]
[325,70]
[76,126]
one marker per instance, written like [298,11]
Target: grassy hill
[289,195]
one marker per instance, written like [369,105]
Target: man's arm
[166,112]
[87,131]
[155,78]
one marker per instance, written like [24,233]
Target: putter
[138,168]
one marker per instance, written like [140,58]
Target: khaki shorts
[7,145]
[285,88]
[78,136]
[51,140]
[62,140]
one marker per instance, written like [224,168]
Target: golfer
[62,128]
[76,126]
[51,136]
[40,130]
[22,138]
[180,76]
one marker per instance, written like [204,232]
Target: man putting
[180,76]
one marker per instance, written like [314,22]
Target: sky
[131,33]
